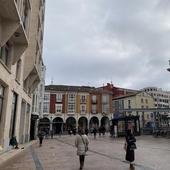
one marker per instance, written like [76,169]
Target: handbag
[85,145]
[133,146]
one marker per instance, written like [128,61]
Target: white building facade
[161,98]
[20,64]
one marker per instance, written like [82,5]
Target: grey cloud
[94,42]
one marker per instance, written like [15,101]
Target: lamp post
[168,69]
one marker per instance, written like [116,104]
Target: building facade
[118,91]
[20,65]
[37,105]
[69,107]
[139,100]
[161,98]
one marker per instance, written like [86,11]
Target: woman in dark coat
[130,146]
[41,137]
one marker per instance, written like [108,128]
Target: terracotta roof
[75,89]
[124,96]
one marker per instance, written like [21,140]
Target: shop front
[120,125]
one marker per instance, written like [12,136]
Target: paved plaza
[104,153]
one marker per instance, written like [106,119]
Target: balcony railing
[83,111]
[94,111]
[58,100]
[94,101]
[83,101]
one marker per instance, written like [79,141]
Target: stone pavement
[104,153]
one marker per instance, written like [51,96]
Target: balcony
[93,112]
[83,101]
[11,28]
[71,113]
[32,81]
[83,112]
[94,101]
[59,100]
[10,20]
[20,42]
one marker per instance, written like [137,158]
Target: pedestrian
[103,130]
[74,131]
[41,137]
[87,131]
[100,131]
[130,146]
[81,143]
[51,134]
[13,142]
[94,132]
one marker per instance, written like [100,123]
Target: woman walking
[130,146]
[41,137]
[81,143]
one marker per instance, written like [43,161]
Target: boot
[131,167]
[81,165]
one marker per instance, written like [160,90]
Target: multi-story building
[161,98]
[21,36]
[139,100]
[37,105]
[118,91]
[67,107]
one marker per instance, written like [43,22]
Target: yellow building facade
[140,100]
[76,106]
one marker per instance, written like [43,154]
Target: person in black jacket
[130,146]
[41,137]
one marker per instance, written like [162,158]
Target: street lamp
[168,69]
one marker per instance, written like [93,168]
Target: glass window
[71,97]
[59,97]
[94,99]
[4,53]
[129,104]
[46,97]
[71,102]
[18,70]
[94,108]
[58,108]
[71,108]
[1,99]
[83,99]
[25,16]
[104,99]
[46,107]
[83,108]
[105,108]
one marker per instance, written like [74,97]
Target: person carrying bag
[81,143]
[130,146]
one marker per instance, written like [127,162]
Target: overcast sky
[92,42]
